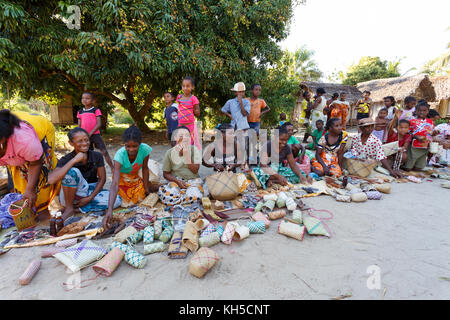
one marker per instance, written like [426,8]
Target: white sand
[406,235]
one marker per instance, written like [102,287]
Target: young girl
[390,105]
[126,182]
[408,111]
[381,125]
[188,110]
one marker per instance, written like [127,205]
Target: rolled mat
[258,206]
[241,233]
[256,227]
[203,260]
[291,230]
[384,187]
[136,237]
[149,234]
[49,252]
[220,229]
[109,263]
[66,243]
[277,214]
[29,272]
[359,197]
[268,206]
[190,236]
[209,240]
[124,234]
[166,235]
[201,224]
[157,228]
[208,230]
[271,196]
[315,226]
[259,216]
[228,233]
[297,216]
[157,246]
[135,259]
[119,245]
[290,204]
[373,195]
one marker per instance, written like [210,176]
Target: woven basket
[360,168]
[23,216]
[223,186]
[203,260]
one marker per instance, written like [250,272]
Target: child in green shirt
[317,134]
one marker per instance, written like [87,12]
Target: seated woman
[126,182]
[27,148]
[290,129]
[268,173]
[222,153]
[330,150]
[83,176]
[180,167]
[366,146]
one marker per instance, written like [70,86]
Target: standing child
[257,108]
[189,110]
[381,125]
[421,130]
[282,118]
[410,109]
[391,106]
[364,106]
[171,115]
[401,135]
[89,119]
[317,134]
[340,109]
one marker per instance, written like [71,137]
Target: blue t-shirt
[171,116]
[239,121]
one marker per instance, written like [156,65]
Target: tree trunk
[138,119]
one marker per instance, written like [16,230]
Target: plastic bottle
[53,224]
[59,222]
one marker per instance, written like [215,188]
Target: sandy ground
[406,235]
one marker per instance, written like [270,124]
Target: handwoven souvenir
[297,216]
[124,234]
[166,235]
[170,194]
[154,169]
[206,203]
[195,214]
[361,168]
[277,214]
[149,234]
[291,230]
[315,226]
[258,206]
[290,204]
[228,232]
[209,240]
[201,224]
[176,248]
[80,255]
[359,197]
[109,263]
[190,237]
[243,182]
[49,252]
[136,237]
[209,229]
[220,229]
[29,272]
[150,200]
[166,223]
[256,227]
[157,226]
[268,206]
[384,187]
[343,198]
[203,260]
[271,196]
[218,205]
[373,195]
[119,245]
[241,233]
[66,243]
[414,179]
[193,194]
[259,216]
[223,185]
[157,246]
[281,200]
[390,148]
[212,214]
[135,259]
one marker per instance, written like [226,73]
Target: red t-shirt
[421,127]
[88,118]
[393,137]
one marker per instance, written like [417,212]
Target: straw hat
[365,122]
[239,86]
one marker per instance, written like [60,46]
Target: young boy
[257,108]
[89,119]
[381,125]
[421,130]
[282,118]
[317,134]
[171,115]
[401,135]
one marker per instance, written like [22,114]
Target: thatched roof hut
[353,94]
[441,86]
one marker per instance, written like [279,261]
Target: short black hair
[421,103]
[132,134]
[305,93]
[404,121]
[335,95]
[183,127]
[287,123]
[319,120]
[224,126]
[330,123]
[190,79]
[320,90]
[171,93]
[255,85]
[282,130]
[390,98]
[8,122]
[366,91]
[74,131]
[342,93]
[384,110]
[91,94]
[433,113]
[409,99]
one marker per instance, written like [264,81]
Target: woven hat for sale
[365,122]
[239,86]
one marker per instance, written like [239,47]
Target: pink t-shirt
[89,118]
[23,146]
[186,109]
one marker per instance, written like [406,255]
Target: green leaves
[369,68]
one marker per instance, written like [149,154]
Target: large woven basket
[23,216]
[360,168]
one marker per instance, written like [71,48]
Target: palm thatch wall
[353,94]
[441,86]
